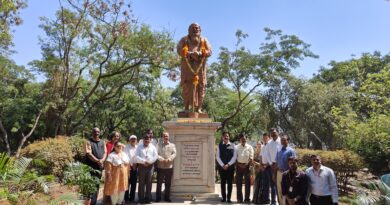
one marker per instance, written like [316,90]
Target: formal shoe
[223,200]
[168,200]
[158,200]
[239,201]
[229,201]
[148,202]
[247,201]
[141,201]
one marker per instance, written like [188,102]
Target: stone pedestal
[194,165]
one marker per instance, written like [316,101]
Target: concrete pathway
[178,198]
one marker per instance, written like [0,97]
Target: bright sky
[336,29]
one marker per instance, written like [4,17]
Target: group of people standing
[124,164]
[274,160]
[276,167]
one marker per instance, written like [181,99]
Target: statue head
[194,30]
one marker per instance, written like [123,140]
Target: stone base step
[196,196]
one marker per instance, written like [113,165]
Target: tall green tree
[369,135]
[353,71]
[9,16]
[302,109]
[92,51]
[221,100]
[20,105]
[247,72]
[132,112]
[283,96]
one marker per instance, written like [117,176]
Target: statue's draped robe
[187,76]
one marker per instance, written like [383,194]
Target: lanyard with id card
[290,189]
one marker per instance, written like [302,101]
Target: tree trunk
[5,135]
[25,137]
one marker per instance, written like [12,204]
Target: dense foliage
[103,68]
[9,16]
[79,174]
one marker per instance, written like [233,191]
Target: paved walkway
[212,198]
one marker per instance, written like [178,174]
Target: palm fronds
[19,168]
[385,179]
[372,192]
[43,184]
[4,159]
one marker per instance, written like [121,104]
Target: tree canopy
[101,67]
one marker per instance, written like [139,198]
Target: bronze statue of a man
[194,50]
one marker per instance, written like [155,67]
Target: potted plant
[78,174]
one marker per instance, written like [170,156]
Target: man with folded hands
[146,156]
[244,161]
[226,158]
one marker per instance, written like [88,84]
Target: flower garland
[195,79]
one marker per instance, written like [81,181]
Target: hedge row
[344,163]
[52,155]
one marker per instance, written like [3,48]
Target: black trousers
[133,185]
[321,200]
[145,183]
[226,178]
[164,174]
[264,192]
[268,183]
[240,174]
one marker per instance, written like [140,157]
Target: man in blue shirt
[282,164]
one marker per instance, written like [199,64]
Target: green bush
[80,174]
[77,145]
[50,156]
[343,162]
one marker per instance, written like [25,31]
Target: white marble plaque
[194,165]
[191,160]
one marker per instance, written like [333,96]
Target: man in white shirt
[272,149]
[244,161]
[146,156]
[130,151]
[322,183]
[226,158]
